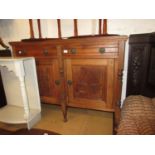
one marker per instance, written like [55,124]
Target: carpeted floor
[80,122]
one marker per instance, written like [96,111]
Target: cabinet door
[90,83]
[48,79]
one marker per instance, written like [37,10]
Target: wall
[17,29]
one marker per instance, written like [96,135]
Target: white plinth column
[24,97]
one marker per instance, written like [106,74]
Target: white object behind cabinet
[21,88]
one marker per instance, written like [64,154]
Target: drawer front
[89,51]
[36,51]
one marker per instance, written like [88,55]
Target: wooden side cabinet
[78,72]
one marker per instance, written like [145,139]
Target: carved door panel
[48,79]
[141,70]
[90,83]
[137,57]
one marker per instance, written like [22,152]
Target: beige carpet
[80,121]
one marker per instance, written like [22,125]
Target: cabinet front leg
[63,104]
[116,119]
[64,111]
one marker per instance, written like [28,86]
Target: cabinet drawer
[91,51]
[36,51]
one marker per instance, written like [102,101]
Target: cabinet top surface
[8,59]
[71,40]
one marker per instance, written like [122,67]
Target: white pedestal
[21,89]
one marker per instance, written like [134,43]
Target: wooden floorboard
[80,121]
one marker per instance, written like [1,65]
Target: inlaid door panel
[48,79]
[90,83]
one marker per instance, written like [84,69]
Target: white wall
[11,30]
[17,29]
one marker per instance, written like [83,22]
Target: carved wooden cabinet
[78,72]
[141,66]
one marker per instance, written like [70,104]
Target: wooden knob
[73,51]
[45,52]
[102,50]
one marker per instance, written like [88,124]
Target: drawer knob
[69,82]
[45,52]
[57,82]
[19,52]
[102,50]
[73,51]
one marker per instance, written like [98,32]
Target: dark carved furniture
[141,65]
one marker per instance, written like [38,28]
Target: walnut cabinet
[78,72]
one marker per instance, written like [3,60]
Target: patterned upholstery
[137,116]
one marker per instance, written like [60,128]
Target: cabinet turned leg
[64,111]
[114,124]
[65,116]
[116,119]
